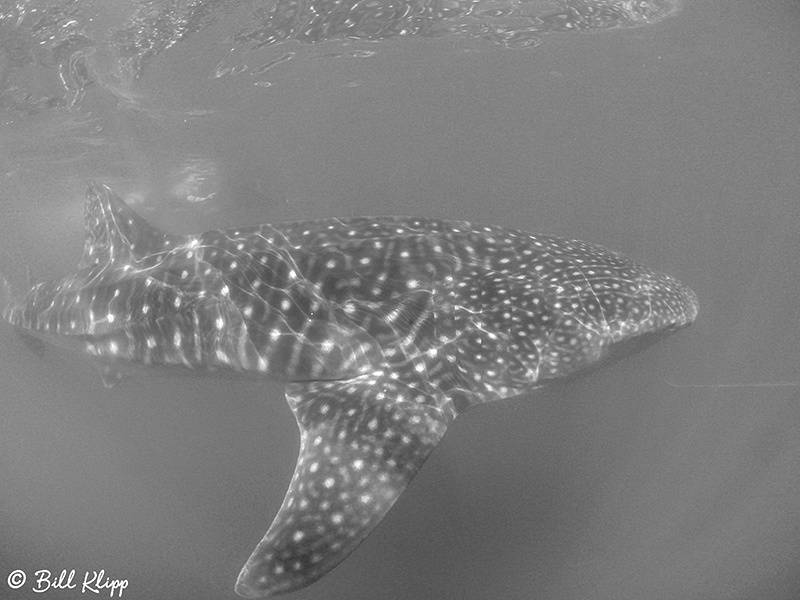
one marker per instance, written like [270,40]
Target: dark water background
[674,474]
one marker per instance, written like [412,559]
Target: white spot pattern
[386,329]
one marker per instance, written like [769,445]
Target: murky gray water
[667,134]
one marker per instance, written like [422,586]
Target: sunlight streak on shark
[384,330]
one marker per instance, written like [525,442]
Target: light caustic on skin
[384,330]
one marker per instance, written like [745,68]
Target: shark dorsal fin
[115,233]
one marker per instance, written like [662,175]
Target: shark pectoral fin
[361,445]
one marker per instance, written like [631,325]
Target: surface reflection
[84,46]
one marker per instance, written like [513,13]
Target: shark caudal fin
[361,444]
[115,233]
[5,292]
[6,297]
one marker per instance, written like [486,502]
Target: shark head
[384,330]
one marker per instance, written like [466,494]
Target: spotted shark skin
[384,330]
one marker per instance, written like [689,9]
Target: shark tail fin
[5,294]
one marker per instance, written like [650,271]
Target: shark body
[384,330]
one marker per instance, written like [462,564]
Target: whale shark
[383,329]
